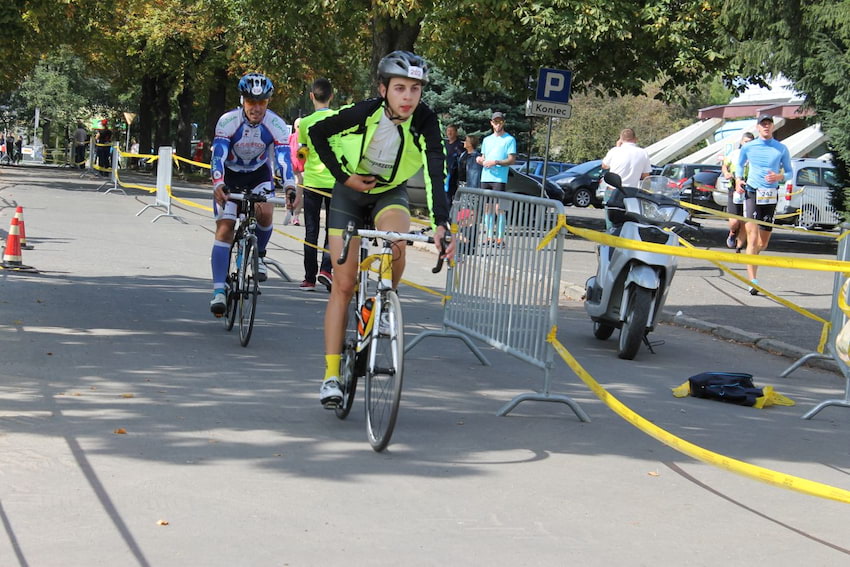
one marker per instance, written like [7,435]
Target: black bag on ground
[731,387]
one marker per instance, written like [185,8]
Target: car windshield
[660,185]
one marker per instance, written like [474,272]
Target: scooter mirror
[613,179]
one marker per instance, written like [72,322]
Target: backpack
[731,387]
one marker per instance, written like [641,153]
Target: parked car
[534,167]
[809,191]
[696,182]
[517,183]
[580,183]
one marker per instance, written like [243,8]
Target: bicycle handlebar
[350,232]
[255,198]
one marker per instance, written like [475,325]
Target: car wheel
[582,197]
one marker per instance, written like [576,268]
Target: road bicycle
[374,335]
[242,284]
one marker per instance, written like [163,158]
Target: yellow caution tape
[762,474]
[725,215]
[816,264]
[801,310]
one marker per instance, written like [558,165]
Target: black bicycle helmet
[256,86]
[403,64]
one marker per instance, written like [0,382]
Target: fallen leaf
[654,473]
[120,431]
[49,354]
[162,522]
[128,395]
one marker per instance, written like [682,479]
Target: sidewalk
[135,431]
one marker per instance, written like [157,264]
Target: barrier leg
[277,267]
[449,335]
[800,362]
[507,408]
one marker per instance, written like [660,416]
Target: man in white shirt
[628,160]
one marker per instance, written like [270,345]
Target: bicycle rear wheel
[349,369]
[249,289]
[232,291]
[385,371]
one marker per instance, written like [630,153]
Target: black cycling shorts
[350,205]
[758,212]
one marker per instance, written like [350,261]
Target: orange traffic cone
[19,214]
[12,254]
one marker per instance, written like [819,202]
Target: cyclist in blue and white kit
[250,143]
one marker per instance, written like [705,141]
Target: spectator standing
[19,146]
[768,161]
[454,147]
[296,198]
[628,160]
[318,185]
[10,148]
[498,153]
[134,149]
[80,141]
[737,237]
[103,148]
[469,170]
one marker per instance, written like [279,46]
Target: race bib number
[766,196]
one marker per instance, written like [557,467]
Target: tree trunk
[185,100]
[391,34]
[146,115]
[216,100]
[162,112]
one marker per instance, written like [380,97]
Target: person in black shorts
[372,148]
[768,161]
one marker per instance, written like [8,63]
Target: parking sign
[553,85]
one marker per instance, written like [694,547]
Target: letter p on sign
[553,85]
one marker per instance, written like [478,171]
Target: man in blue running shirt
[769,162]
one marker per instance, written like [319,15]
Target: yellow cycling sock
[332,365]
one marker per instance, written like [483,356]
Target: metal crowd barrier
[506,295]
[836,322]
[816,208]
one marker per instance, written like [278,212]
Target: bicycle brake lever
[346,240]
[440,259]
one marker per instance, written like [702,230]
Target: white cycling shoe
[330,394]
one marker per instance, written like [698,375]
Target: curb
[755,340]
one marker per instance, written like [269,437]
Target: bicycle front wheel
[249,289]
[384,372]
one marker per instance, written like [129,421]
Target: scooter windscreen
[654,202]
[660,185]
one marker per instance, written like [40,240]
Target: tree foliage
[807,42]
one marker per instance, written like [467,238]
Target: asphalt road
[135,431]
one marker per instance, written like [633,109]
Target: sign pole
[546,157]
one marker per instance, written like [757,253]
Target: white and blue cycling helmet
[256,86]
